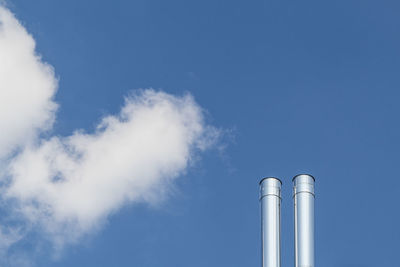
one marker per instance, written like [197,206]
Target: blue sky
[297,87]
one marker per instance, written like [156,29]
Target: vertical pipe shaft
[303,194]
[270,198]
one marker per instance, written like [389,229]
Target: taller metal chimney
[270,198]
[303,194]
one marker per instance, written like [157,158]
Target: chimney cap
[309,175]
[265,178]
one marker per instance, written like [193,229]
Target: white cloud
[79,180]
[68,186]
[27,86]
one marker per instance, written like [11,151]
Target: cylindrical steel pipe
[303,194]
[270,198]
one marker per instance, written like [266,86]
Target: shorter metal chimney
[270,198]
[303,194]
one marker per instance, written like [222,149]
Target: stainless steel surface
[270,198]
[303,194]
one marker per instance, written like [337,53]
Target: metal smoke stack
[303,194]
[270,198]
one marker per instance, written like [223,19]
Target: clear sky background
[299,86]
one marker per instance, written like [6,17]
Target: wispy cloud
[66,187]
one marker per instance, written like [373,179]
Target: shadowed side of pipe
[270,198]
[303,194]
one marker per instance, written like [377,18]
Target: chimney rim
[309,175]
[265,178]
